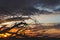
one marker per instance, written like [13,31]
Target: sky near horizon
[48,18]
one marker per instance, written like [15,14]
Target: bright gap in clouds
[47,18]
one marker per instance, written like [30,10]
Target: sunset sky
[29,7]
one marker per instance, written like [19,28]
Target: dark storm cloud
[50,2]
[28,6]
[13,3]
[27,3]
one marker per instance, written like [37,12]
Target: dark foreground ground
[33,38]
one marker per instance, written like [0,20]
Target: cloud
[29,5]
[48,5]
[44,8]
